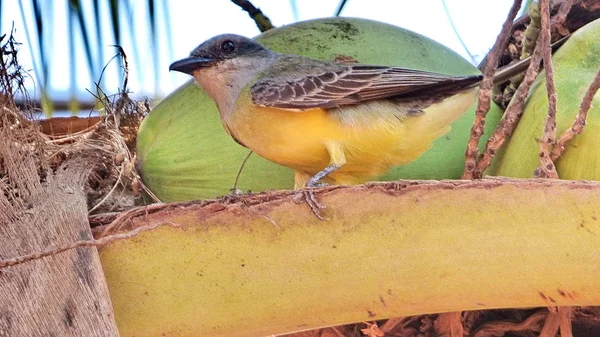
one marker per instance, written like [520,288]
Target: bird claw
[308,196]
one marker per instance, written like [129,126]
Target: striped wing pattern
[352,84]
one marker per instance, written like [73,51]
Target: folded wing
[313,84]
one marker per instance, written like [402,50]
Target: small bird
[334,123]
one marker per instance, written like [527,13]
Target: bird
[332,123]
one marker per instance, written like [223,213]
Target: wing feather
[312,84]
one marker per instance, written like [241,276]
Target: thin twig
[551,325]
[80,243]
[558,21]
[566,326]
[579,122]
[237,177]
[485,93]
[529,38]
[121,52]
[512,115]
[547,168]
[128,215]
[456,33]
[340,7]
[256,14]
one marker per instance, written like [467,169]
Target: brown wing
[333,85]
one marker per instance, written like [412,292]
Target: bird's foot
[308,196]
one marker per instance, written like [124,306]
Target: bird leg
[338,159]
[314,181]
[308,194]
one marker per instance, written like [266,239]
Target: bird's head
[217,50]
[224,65]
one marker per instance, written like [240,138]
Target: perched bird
[337,123]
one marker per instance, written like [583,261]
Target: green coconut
[575,65]
[184,153]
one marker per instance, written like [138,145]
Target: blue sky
[191,22]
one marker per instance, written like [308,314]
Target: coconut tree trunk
[63,294]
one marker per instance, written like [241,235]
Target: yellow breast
[298,139]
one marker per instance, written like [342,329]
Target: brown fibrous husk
[106,143]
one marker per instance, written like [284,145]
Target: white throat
[225,81]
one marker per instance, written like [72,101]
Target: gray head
[217,49]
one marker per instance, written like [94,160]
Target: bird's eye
[227,46]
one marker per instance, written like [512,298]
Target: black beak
[189,64]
